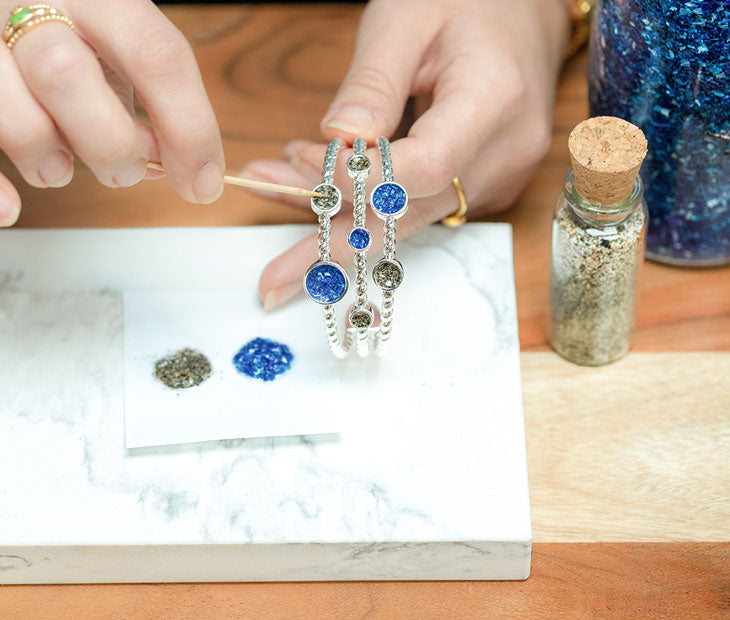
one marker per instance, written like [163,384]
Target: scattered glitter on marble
[263,359]
[665,66]
[388,274]
[326,283]
[183,369]
[359,239]
[389,199]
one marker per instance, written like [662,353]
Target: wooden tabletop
[628,464]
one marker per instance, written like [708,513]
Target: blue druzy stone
[359,239]
[389,198]
[326,283]
[263,359]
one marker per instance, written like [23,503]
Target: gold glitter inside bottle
[598,248]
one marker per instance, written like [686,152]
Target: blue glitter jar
[665,66]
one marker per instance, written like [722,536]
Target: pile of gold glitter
[183,369]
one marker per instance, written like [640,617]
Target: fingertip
[131,174]
[154,175]
[153,147]
[56,169]
[282,173]
[293,148]
[308,163]
[268,170]
[9,204]
[281,279]
[350,122]
[333,133]
[208,183]
[275,298]
[277,287]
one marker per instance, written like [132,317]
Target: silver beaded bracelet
[326,282]
[361,315]
[389,201]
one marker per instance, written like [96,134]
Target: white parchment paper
[228,404]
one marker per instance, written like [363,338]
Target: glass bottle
[665,67]
[597,251]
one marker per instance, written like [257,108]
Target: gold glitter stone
[360,319]
[358,163]
[387,275]
[327,202]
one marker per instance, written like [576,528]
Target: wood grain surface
[637,451]
[626,581]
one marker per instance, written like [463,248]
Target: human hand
[64,94]
[490,67]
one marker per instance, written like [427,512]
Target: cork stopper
[606,153]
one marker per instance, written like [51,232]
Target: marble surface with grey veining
[432,455]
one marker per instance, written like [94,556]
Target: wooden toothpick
[269,187]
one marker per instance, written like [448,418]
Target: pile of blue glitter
[263,359]
[665,66]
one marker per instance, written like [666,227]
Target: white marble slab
[427,480]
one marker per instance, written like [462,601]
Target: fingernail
[294,148]
[296,162]
[57,169]
[276,297]
[257,175]
[208,184]
[132,174]
[13,211]
[154,175]
[352,119]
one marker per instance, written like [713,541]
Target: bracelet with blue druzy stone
[389,201]
[326,282]
[361,315]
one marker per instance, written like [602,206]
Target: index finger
[147,50]
[467,111]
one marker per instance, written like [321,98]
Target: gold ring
[458,217]
[24,18]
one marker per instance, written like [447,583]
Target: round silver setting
[358,165]
[318,298]
[388,274]
[383,215]
[372,309]
[330,205]
[360,318]
[370,239]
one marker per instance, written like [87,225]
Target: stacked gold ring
[458,217]
[24,18]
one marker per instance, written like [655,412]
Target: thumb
[372,97]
